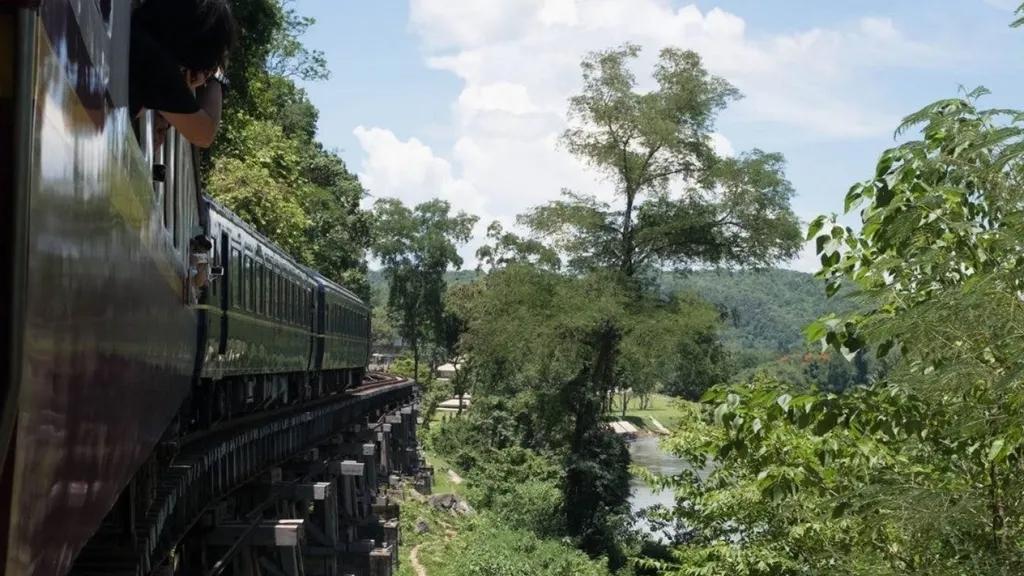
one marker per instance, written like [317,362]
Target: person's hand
[160,126]
[196,79]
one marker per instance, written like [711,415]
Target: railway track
[208,507]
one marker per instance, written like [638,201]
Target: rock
[450,503]
[421,526]
[462,508]
[442,501]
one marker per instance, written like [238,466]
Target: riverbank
[664,410]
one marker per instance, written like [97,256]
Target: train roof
[335,287]
[227,214]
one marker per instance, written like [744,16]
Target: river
[646,453]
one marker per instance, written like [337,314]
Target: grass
[665,409]
[442,482]
[433,543]
[443,526]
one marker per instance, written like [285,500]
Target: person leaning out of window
[179,49]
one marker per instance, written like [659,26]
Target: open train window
[104,8]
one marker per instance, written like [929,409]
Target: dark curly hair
[199,33]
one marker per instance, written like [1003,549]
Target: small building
[447,371]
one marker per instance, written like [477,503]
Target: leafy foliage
[765,310]
[919,473]
[729,211]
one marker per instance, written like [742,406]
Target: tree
[552,343]
[534,338]
[727,211]
[416,247]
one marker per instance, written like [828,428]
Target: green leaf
[815,227]
[853,197]
[783,401]
[995,451]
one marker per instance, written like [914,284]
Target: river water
[646,453]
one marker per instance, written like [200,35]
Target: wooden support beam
[269,533]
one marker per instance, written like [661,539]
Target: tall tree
[416,246]
[679,204]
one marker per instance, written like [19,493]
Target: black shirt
[156,80]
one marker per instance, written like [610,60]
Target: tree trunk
[415,361]
[998,512]
[625,402]
[626,264]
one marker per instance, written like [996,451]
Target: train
[139,311]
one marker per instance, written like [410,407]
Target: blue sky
[464,99]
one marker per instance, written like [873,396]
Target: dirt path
[414,559]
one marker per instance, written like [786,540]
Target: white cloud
[519,63]
[722,145]
[409,169]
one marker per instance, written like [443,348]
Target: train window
[279,296]
[293,305]
[234,282]
[265,287]
[286,302]
[247,282]
[171,185]
[256,295]
[284,297]
[286,307]
[272,295]
[262,289]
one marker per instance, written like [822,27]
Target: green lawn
[666,409]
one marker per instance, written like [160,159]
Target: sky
[465,99]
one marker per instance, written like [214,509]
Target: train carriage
[258,321]
[341,352]
[113,346]
[100,346]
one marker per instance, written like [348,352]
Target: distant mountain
[767,310]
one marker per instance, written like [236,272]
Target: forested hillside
[766,310]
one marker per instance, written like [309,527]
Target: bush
[489,550]
[535,506]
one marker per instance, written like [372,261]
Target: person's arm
[200,128]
